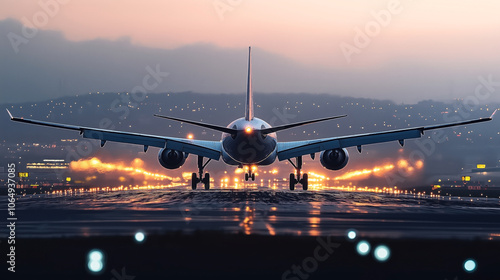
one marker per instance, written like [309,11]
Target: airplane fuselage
[249,146]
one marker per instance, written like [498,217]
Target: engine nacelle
[171,159]
[335,159]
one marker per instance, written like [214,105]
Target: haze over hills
[49,66]
[457,148]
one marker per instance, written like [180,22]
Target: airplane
[250,141]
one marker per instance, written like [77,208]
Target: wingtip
[494,112]
[11,117]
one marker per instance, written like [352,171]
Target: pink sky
[450,32]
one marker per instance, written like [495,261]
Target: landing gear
[295,178]
[205,180]
[305,181]
[249,175]
[194,181]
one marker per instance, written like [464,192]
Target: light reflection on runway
[265,212]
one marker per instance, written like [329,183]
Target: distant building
[48,164]
[480,177]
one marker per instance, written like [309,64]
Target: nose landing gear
[250,175]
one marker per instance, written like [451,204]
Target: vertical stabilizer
[249,104]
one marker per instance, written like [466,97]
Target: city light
[96,165]
[402,164]
[239,170]
[365,172]
[48,164]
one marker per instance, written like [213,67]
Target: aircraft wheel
[305,181]
[246,176]
[292,181]
[206,181]
[253,176]
[194,181]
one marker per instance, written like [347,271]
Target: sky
[387,49]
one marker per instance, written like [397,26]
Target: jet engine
[335,159]
[171,159]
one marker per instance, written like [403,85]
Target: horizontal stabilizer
[287,126]
[206,125]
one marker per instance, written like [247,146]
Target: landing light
[248,129]
[190,136]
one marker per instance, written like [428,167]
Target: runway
[267,212]
[255,234]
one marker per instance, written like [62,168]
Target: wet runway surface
[264,212]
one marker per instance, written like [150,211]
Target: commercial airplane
[250,141]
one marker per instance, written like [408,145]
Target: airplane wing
[287,150]
[208,149]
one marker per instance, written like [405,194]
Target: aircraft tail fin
[249,103]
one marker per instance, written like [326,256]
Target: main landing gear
[293,181]
[195,179]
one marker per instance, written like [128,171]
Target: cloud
[50,66]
